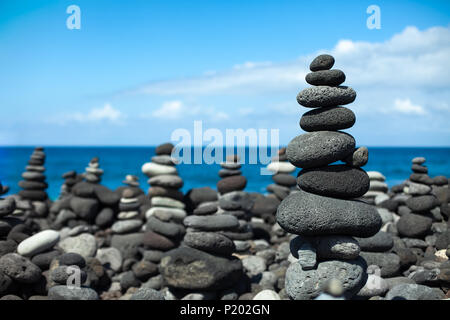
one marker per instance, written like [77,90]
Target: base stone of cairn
[34,185]
[324,213]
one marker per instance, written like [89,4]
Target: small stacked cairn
[34,184]
[233,200]
[417,218]
[164,229]
[324,212]
[93,173]
[204,264]
[281,168]
[70,179]
[7,207]
[378,188]
[131,198]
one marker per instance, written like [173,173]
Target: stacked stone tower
[34,184]
[324,213]
[283,181]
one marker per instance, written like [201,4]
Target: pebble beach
[321,227]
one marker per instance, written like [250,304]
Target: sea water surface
[117,162]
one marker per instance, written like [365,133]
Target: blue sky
[138,70]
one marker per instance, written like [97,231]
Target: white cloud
[107,113]
[406,106]
[170,110]
[412,58]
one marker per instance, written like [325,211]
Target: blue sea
[393,162]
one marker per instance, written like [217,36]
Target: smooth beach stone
[127,244]
[327,119]
[254,265]
[164,160]
[7,206]
[309,214]
[389,263]
[281,167]
[440,180]
[418,160]
[317,149]
[233,183]
[167,229]
[61,274]
[417,168]
[236,200]
[358,158]
[322,62]
[339,181]
[380,242]
[211,223]
[325,96]
[70,259]
[376,185]
[196,196]
[157,241]
[38,243]
[5,228]
[35,168]
[84,244]
[33,185]
[133,205]
[192,269]
[37,195]
[308,284]
[164,149]
[284,179]
[267,295]
[421,203]
[333,77]
[147,294]
[19,268]
[175,213]
[206,208]
[84,189]
[92,178]
[7,246]
[265,206]
[377,176]
[280,191]
[413,225]
[231,165]
[85,208]
[126,226]
[209,242]
[106,196]
[144,269]
[167,202]
[228,173]
[166,181]
[105,218]
[329,247]
[421,178]
[33,175]
[408,291]
[151,169]
[416,189]
[63,292]
[110,258]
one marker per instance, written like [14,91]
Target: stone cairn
[283,181]
[70,179]
[34,185]
[419,204]
[378,188]
[93,173]
[324,213]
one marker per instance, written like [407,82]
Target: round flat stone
[166,181]
[126,226]
[309,214]
[338,181]
[37,195]
[327,119]
[210,242]
[284,179]
[212,223]
[380,242]
[33,175]
[418,160]
[413,225]
[164,149]
[421,203]
[322,62]
[167,202]
[153,169]
[33,185]
[233,183]
[325,77]
[281,167]
[164,160]
[317,149]
[324,96]
[167,229]
[38,243]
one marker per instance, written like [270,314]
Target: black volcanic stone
[358,158]
[325,77]
[106,196]
[324,96]
[327,119]
[196,196]
[233,183]
[413,225]
[421,178]
[284,179]
[165,148]
[210,242]
[322,62]
[421,203]
[308,214]
[192,269]
[317,149]
[84,189]
[380,242]
[69,174]
[339,181]
[417,168]
[37,195]
[33,185]
[389,204]
[440,181]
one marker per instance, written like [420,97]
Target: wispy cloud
[407,107]
[107,113]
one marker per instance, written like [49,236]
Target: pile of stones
[324,212]
[378,188]
[283,181]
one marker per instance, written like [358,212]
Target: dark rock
[164,149]
[106,196]
[209,242]
[413,225]
[233,183]
[389,263]
[324,96]
[43,260]
[198,195]
[19,268]
[167,229]
[156,241]
[380,242]
[85,208]
[333,77]
[105,218]
[127,244]
[143,270]
[211,223]
[284,179]
[322,62]
[63,292]
[421,178]
[421,203]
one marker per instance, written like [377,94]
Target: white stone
[177,214]
[38,243]
[153,169]
[167,202]
[124,215]
[128,200]
[267,295]
[110,257]
[84,245]
[380,198]
[375,175]
[281,167]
